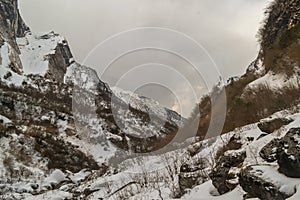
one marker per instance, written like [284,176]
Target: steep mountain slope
[57,116]
[271,82]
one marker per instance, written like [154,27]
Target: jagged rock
[269,151]
[263,182]
[221,177]
[274,124]
[11,26]
[192,174]
[46,55]
[284,15]
[11,23]
[288,154]
[59,61]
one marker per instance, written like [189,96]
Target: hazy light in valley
[226,29]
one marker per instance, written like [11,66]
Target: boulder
[221,176]
[269,126]
[265,182]
[288,154]
[192,174]
[269,151]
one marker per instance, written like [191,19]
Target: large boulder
[269,126]
[265,182]
[193,174]
[288,154]
[224,174]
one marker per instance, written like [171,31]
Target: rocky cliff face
[11,26]
[281,16]
[11,23]
[58,115]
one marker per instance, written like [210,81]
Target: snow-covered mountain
[65,134]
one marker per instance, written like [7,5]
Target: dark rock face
[11,26]
[192,174]
[286,151]
[11,23]
[269,151]
[288,154]
[220,175]
[284,15]
[59,62]
[273,125]
[256,186]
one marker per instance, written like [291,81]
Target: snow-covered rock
[45,54]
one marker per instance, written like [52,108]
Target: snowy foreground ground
[162,180]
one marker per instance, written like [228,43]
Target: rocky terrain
[65,134]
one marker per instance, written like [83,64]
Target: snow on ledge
[35,49]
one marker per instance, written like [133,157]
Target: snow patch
[35,49]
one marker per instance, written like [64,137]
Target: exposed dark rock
[11,23]
[192,174]
[255,185]
[283,15]
[269,151]
[288,154]
[220,175]
[262,135]
[59,61]
[11,26]
[233,144]
[274,124]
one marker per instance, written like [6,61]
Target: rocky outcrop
[59,61]
[192,174]
[224,174]
[269,151]
[282,15]
[11,26]
[264,183]
[269,126]
[85,78]
[11,23]
[288,154]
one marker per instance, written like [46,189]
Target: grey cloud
[226,29]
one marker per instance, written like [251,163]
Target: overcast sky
[225,28]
